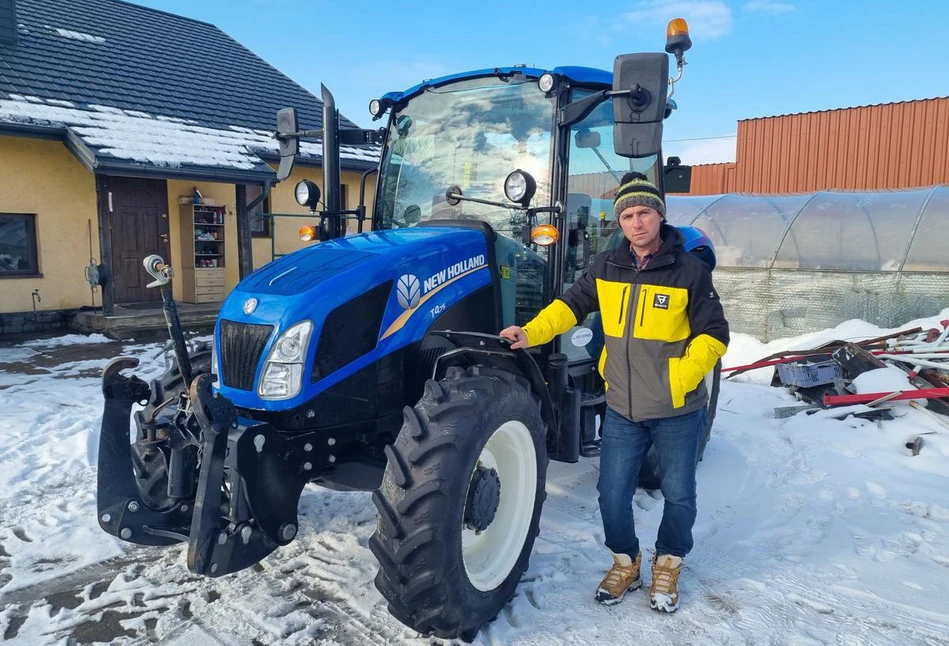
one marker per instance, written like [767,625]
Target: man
[664,330]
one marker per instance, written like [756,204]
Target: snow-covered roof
[160,141]
[129,84]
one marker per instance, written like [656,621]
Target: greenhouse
[790,264]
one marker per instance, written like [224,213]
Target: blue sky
[750,58]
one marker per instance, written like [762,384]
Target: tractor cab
[537,156]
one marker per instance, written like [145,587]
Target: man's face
[640,225]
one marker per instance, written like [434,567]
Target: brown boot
[664,589]
[623,576]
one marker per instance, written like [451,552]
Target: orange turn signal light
[308,233]
[544,235]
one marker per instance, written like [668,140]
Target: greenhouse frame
[791,264]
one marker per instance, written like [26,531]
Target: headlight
[280,381]
[519,186]
[375,107]
[282,376]
[307,193]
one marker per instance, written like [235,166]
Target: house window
[259,225]
[18,245]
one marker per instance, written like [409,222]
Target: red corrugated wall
[894,145]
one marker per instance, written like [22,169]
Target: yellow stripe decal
[404,317]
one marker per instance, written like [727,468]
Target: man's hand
[517,335]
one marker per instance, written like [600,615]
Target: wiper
[615,175]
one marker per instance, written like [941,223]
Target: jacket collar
[672,242]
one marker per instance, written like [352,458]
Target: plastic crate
[805,375]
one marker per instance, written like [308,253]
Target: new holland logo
[409,291]
[661,301]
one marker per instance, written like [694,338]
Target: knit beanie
[636,190]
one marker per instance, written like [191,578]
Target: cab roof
[587,76]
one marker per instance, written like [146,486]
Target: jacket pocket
[662,314]
[675,383]
[614,305]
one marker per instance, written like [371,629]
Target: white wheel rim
[490,556]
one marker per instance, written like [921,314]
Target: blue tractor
[372,361]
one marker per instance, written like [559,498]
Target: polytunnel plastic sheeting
[852,231]
[747,229]
[681,210]
[929,250]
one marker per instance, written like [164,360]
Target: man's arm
[558,317]
[709,332]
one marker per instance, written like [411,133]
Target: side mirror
[287,129]
[638,110]
[587,139]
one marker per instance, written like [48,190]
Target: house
[115,119]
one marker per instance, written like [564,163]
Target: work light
[307,193]
[519,187]
[546,82]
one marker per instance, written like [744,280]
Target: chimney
[8,22]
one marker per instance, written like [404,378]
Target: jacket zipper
[622,300]
[629,364]
[642,316]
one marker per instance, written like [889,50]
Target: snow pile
[78,35]
[810,530]
[157,139]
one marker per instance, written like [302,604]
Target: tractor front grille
[242,345]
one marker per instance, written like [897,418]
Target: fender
[496,351]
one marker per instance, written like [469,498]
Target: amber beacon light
[677,36]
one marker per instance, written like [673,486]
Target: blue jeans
[622,449]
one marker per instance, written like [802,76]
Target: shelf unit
[203,249]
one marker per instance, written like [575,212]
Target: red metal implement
[865,398]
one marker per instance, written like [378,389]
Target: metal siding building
[886,146]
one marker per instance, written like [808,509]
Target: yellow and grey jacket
[663,325]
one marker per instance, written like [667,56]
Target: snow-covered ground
[810,531]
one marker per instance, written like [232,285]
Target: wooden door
[139,213]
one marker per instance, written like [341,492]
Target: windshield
[470,134]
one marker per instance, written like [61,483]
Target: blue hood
[428,269]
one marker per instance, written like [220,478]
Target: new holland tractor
[372,361]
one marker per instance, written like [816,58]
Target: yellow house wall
[44,178]
[286,230]
[281,201]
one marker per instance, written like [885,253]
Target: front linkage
[229,486]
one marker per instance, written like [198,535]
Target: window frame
[263,207]
[33,271]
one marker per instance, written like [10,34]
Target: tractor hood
[397,280]
[337,267]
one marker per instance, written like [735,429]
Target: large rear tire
[460,502]
[649,477]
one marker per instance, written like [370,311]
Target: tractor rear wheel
[460,501]
[649,473]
